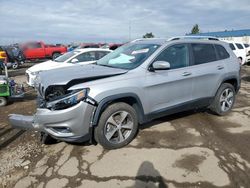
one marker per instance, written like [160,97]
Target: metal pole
[6,71]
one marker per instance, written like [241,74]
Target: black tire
[55,55]
[3,101]
[216,106]
[15,65]
[47,139]
[117,110]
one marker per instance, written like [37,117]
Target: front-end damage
[65,117]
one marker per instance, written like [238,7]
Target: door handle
[186,73]
[220,67]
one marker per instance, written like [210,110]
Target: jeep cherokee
[138,82]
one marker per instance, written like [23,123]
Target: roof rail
[193,37]
[142,39]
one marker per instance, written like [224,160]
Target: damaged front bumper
[71,124]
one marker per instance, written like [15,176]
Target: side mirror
[74,60]
[160,65]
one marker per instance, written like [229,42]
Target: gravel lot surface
[190,149]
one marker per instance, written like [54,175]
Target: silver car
[138,82]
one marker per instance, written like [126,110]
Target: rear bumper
[72,124]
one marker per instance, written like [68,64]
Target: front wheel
[47,139]
[224,99]
[117,126]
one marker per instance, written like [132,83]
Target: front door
[165,89]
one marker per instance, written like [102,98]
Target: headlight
[68,100]
[34,73]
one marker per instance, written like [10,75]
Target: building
[233,35]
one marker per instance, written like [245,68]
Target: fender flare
[108,100]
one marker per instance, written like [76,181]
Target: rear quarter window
[222,52]
[239,46]
[231,46]
[203,53]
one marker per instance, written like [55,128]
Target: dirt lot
[191,149]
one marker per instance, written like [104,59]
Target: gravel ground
[190,149]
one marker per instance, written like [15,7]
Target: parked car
[15,56]
[247,48]
[88,45]
[79,56]
[138,82]
[239,51]
[39,50]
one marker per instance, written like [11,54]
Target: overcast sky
[62,21]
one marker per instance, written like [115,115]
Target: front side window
[239,46]
[246,45]
[177,56]
[203,53]
[128,56]
[221,51]
[231,46]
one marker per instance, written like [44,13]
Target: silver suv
[140,81]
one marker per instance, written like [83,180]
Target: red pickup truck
[39,50]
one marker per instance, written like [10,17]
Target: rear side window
[231,46]
[100,54]
[239,46]
[221,51]
[246,45]
[203,53]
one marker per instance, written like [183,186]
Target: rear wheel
[117,126]
[55,55]
[3,101]
[224,99]
[15,65]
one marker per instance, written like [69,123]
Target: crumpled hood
[47,65]
[76,74]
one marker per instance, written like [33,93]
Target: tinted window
[239,46]
[176,55]
[203,53]
[34,45]
[88,56]
[221,51]
[231,46]
[246,45]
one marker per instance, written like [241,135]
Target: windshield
[66,56]
[128,56]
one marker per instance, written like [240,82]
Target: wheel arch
[129,98]
[233,81]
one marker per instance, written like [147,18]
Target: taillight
[4,54]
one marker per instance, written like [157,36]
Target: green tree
[195,29]
[148,35]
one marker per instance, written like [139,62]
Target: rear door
[208,67]
[165,89]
